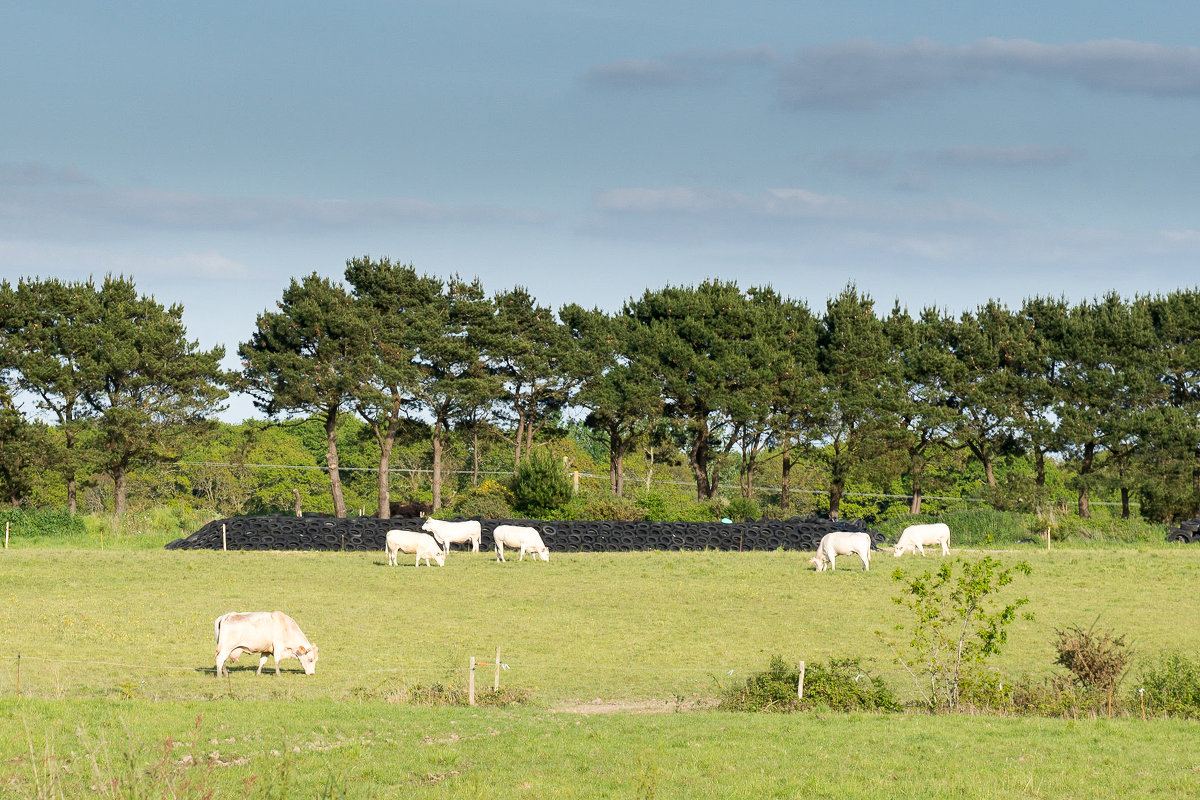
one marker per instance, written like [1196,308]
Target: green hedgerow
[841,685]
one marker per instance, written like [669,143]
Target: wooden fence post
[223,542]
[497,686]
[7,525]
[800,683]
[471,682]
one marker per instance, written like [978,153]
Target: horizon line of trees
[1109,387]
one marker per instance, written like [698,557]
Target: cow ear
[301,650]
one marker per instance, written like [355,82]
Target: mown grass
[321,748]
[116,651]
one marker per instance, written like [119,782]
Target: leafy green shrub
[540,486]
[951,630]
[1170,685]
[742,508]
[488,500]
[601,506]
[841,685]
[667,505]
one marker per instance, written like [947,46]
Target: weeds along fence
[367,533]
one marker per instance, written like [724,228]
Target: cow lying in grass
[840,543]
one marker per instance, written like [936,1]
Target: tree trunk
[1085,469]
[1039,461]
[385,461]
[475,456]
[296,495]
[1124,502]
[835,499]
[118,476]
[699,458]
[437,465]
[915,506]
[331,461]
[72,494]
[620,468]
[980,452]
[785,478]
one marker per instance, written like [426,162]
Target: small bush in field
[840,685]
[1097,660]
[1170,685]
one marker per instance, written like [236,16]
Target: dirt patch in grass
[599,706]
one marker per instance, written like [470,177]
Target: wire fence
[630,479]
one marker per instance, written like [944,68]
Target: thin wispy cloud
[864,74]
[32,174]
[153,209]
[1021,156]
[684,68]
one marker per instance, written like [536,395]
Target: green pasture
[113,654]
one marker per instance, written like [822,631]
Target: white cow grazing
[264,632]
[840,543]
[446,532]
[519,537]
[422,545]
[916,537]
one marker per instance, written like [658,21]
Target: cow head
[428,525]
[898,550]
[307,656]
[818,563]
[544,553]
[440,558]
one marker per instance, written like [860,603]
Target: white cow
[264,632]
[916,537]
[519,537]
[422,545]
[840,543]
[446,532]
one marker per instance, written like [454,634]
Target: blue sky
[934,153]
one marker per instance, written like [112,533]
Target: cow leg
[499,552]
[921,549]
[221,656]
[945,549]
[262,662]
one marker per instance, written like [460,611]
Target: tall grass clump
[42,524]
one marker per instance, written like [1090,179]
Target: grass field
[116,649]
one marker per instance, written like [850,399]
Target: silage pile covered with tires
[367,533]
[1185,532]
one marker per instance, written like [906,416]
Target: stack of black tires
[1185,532]
[367,533]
